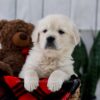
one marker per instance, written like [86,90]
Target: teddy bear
[15,39]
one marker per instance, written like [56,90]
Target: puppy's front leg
[31,80]
[56,80]
[28,72]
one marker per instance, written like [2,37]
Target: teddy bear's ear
[30,27]
[2,23]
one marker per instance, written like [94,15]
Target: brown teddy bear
[15,38]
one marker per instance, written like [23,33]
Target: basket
[13,89]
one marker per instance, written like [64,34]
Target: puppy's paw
[54,84]
[31,84]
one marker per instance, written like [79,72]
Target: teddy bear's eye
[45,30]
[61,32]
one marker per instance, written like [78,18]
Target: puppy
[54,40]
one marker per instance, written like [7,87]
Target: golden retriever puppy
[54,40]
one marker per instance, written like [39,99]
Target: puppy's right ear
[35,36]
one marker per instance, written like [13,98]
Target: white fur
[55,64]
[0,46]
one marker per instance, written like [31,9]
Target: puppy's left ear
[76,35]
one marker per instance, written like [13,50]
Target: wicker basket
[76,96]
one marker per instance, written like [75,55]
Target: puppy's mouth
[51,46]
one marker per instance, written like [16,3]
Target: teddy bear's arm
[2,54]
[5,69]
[16,62]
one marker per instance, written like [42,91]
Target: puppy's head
[56,33]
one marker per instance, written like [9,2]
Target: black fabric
[5,91]
[18,90]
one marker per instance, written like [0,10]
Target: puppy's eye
[45,30]
[61,31]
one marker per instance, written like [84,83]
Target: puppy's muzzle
[50,42]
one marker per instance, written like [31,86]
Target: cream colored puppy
[54,40]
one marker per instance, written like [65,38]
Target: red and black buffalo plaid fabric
[12,88]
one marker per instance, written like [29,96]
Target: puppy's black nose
[23,36]
[50,39]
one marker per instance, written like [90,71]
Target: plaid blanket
[12,88]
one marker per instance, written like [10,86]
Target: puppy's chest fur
[47,65]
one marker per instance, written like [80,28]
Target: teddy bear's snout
[23,36]
[21,39]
